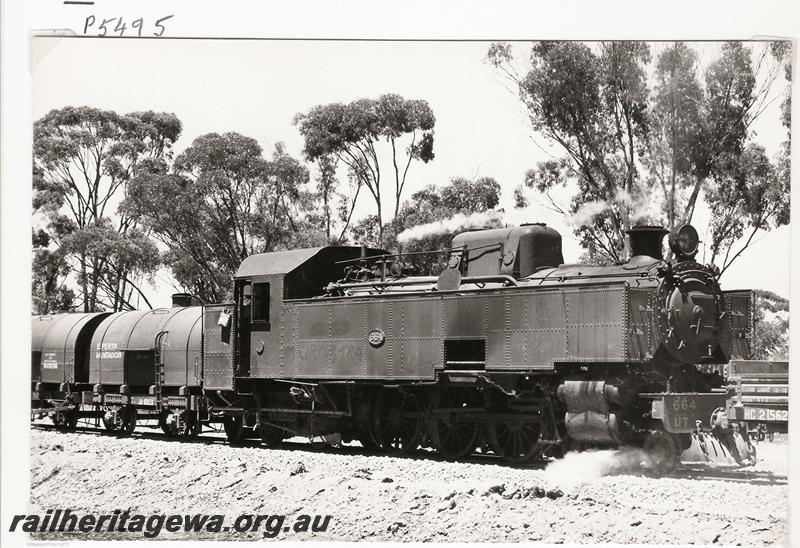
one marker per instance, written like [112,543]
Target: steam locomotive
[507,350]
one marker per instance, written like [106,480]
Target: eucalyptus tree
[630,133]
[83,160]
[352,133]
[221,201]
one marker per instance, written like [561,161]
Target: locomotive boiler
[507,350]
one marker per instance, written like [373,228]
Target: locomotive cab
[261,286]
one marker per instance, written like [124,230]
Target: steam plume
[579,467]
[457,222]
[640,208]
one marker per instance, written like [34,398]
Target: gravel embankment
[419,499]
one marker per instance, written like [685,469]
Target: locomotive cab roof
[305,271]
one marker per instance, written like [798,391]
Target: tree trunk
[690,205]
[84,283]
[380,226]
[327,217]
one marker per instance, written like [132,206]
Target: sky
[256,88]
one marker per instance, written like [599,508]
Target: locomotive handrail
[505,278]
[417,293]
[645,274]
[491,278]
[416,281]
[428,252]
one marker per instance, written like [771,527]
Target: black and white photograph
[498,290]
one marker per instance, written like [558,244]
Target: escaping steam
[641,208]
[579,467]
[586,213]
[457,222]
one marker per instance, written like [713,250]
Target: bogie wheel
[453,435]
[397,424]
[192,425]
[128,420]
[165,423]
[662,452]
[112,420]
[516,441]
[179,423]
[66,421]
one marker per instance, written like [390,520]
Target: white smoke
[580,467]
[645,207]
[457,222]
[639,208]
[587,212]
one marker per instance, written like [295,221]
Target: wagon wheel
[393,430]
[128,420]
[164,423]
[112,421]
[65,420]
[452,436]
[663,452]
[516,441]
[192,425]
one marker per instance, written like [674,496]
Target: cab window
[260,302]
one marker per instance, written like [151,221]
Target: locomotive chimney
[181,299]
[646,240]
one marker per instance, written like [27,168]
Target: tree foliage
[352,133]
[83,160]
[594,106]
[437,203]
[629,138]
[772,327]
[220,202]
[676,154]
[50,270]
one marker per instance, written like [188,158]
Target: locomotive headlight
[684,242]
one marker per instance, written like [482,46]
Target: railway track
[757,477]
[217,437]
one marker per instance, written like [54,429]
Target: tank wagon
[147,363]
[507,349]
[60,364]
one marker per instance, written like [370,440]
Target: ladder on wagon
[159,372]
